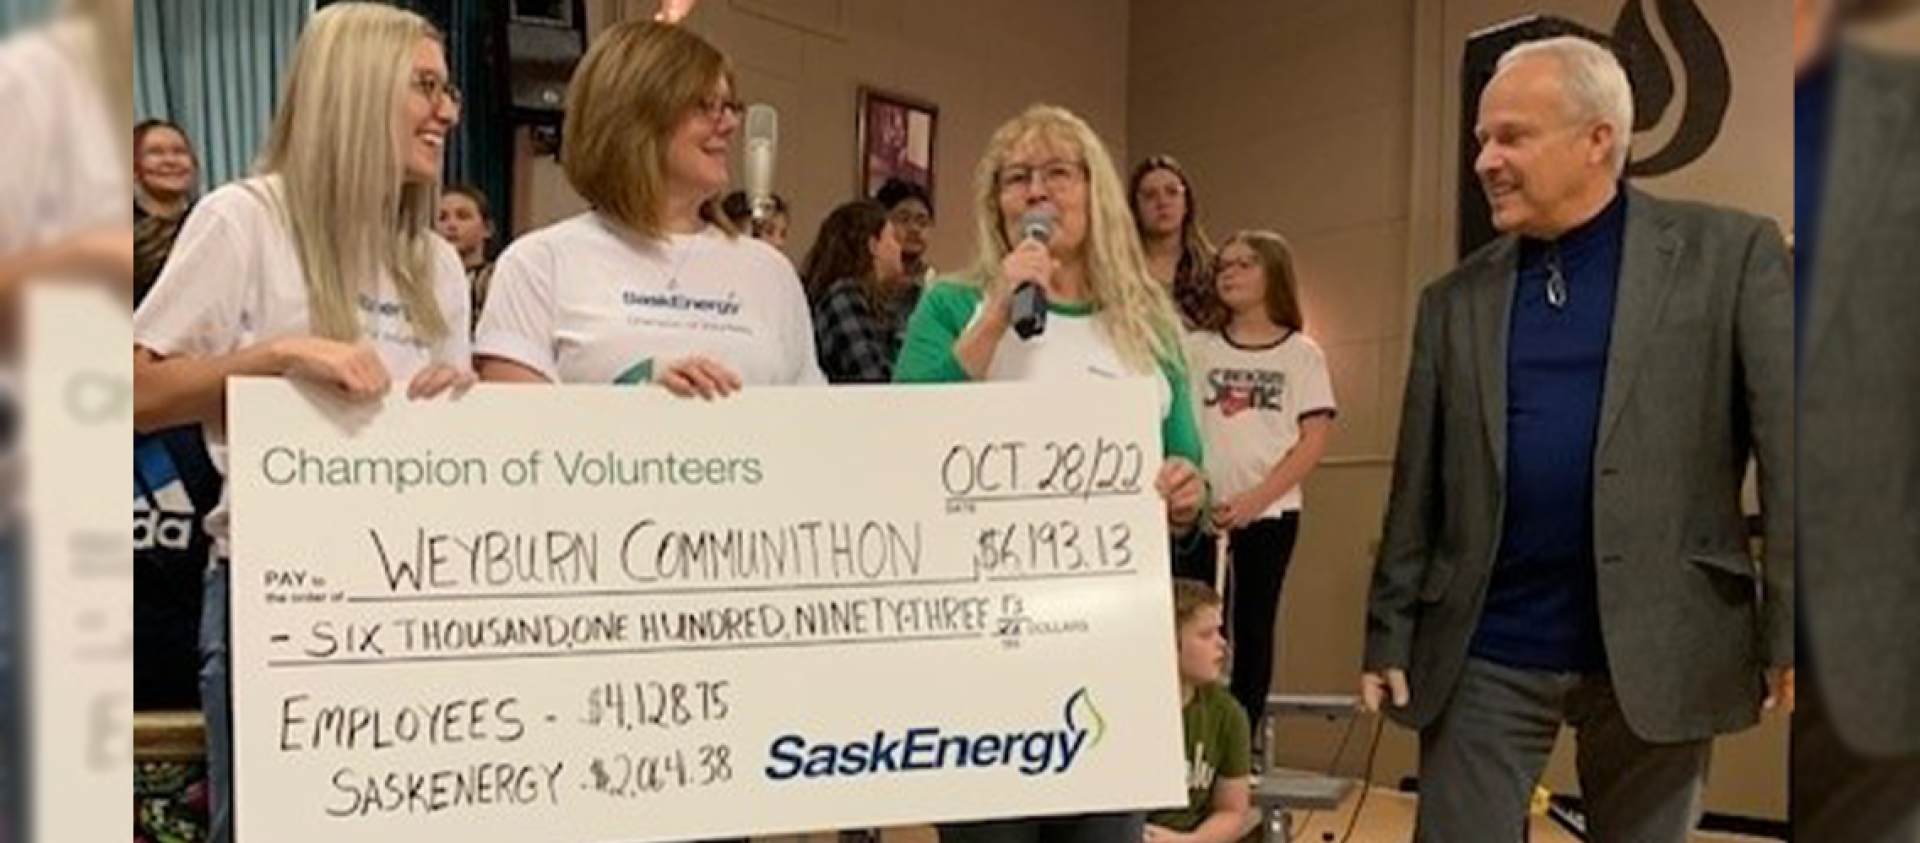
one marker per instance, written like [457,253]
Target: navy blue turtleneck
[1542,610]
[1812,118]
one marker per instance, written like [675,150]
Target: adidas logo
[163,512]
[164,521]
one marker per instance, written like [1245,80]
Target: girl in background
[862,296]
[163,174]
[1179,253]
[466,220]
[1266,413]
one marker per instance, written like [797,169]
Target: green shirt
[1218,749]
[1070,347]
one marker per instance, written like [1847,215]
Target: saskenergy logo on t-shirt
[383,308]
[681,302]
[387,320]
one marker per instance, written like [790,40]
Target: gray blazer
[1699,378]
[1862,413]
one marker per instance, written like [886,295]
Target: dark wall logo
[1704,81]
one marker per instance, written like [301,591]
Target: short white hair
[1596,85]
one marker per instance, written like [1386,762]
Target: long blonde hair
[337,146]
[1130,309]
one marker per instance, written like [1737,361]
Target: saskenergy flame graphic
[1705,86]
[1080,708]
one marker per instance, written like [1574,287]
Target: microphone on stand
[763,135]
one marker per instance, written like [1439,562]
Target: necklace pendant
[1557,292]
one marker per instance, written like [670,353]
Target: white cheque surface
[582,614]
[79,576]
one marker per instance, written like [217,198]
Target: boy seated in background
[1219,748]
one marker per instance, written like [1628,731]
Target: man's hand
[1378,688]
[1780,691]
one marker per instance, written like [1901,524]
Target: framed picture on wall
[895,136]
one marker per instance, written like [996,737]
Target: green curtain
[216,67]
[18,14]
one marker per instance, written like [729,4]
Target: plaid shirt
[856,344]
[1193,292]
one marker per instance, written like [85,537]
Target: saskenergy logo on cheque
[1045,751]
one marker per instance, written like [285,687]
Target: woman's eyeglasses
[717,108]
[1224,264]
[1056,175]
[437,90]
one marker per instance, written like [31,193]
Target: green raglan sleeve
[1180,430]
[926,355]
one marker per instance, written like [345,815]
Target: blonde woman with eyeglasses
[1107,317]
[652,285]
[323,268]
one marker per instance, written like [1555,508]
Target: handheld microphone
[1029,298]
[763,134]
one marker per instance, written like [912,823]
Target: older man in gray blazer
[1565,542]
[1857,739]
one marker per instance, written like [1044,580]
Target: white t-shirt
[63,166]
[582,301]
[234,280]
[1250,401]
[1071,348]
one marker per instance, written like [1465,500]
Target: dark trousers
[1481,760]
[1259,555]
[216,702]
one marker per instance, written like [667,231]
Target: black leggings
[1261,552]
